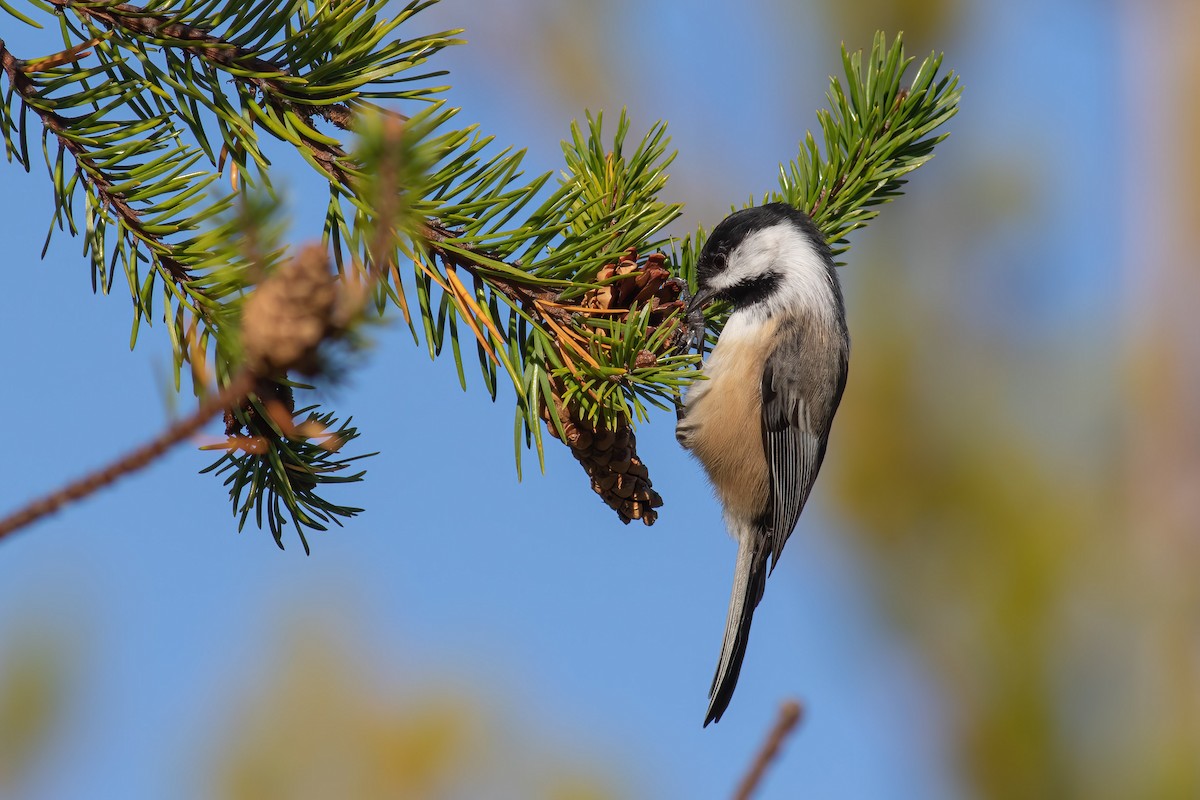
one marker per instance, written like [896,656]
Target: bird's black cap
[732,230]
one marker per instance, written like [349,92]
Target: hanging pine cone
[610,456]
[610,459]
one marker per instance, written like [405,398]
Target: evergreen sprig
[145,109]
[523,312]
[277,472]
[874,133]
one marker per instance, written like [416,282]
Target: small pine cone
[610,459]
[627,289]
[618,475]
[268,391]
[610,456]
[287,317]
[648,283]
[601,297]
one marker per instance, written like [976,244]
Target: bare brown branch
[132,462]
[789,716]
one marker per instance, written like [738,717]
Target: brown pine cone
[287,317]
[610,456]
[610,459]
[647,284]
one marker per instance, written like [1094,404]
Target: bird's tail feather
[749,580]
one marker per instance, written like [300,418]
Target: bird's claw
[693,334]
[694,325]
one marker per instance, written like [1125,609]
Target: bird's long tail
[749,580]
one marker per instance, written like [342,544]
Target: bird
[759,422]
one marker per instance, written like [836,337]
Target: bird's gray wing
[801,388]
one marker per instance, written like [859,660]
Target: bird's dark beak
[699,300]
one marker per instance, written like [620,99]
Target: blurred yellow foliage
[319,728]
[34,678]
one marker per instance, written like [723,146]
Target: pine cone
[649,284]
[287,317]
[610,456]
[610,459]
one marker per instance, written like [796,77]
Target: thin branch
[284,321]
[59,125]
[136,20]
[231,395]
[789,717]
[203,44]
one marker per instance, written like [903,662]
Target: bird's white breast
[722,424]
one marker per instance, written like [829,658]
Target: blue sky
[598,638]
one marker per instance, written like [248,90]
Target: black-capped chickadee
[760,422]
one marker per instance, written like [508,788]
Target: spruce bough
[152,122]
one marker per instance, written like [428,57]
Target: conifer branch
[62,127]
[268,77]
[875,132]
[166,31]
[287,319]
[556,282]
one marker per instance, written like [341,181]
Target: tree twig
[143,456]
[60,126]
[789,716]
[202,44]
